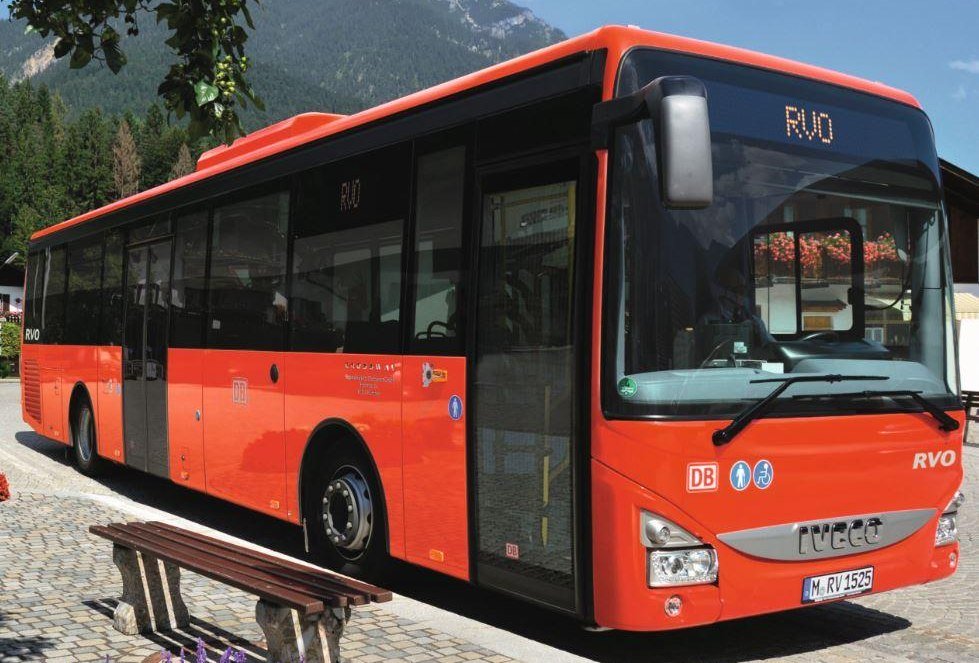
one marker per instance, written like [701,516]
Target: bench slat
[206,567]
[377,594]
[246,572]
[291,579]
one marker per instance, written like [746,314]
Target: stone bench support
[151,599]
[291,637]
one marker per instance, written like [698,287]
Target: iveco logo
[839,535]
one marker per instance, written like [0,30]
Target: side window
[439,303]
[248,273]
[188,306]
[33,296]
[349,229]
[84,293]
[110,325]
[53,307]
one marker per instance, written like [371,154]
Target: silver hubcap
[83,436]
[348,513]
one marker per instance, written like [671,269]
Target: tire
[345,518]
[84,441]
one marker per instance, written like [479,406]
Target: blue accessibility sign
[763,474]
[740,475]
[455,408]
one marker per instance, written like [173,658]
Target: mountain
[323,55]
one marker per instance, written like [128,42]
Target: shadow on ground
[23,647]
[800,631]
[182,643]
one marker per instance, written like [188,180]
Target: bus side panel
[80,366]
[108,416]
[52,388]
[244,449]
[436,518]
[365,392]
[185,396]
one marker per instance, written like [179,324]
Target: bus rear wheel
[345,518]
[84,442]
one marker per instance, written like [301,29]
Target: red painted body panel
[436,520]
[365,392]
[244,442]
[108,404]
[185,400]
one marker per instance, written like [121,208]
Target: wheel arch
[330,434]
[79,394]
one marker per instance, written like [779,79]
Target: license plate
[836,585]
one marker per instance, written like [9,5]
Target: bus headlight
[676,557]
[671,568]
[947,532]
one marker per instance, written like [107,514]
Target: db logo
[513,551]
[701,477]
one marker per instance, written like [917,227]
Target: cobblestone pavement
[58,587]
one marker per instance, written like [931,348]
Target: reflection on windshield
[806,262]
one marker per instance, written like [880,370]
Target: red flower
[4,488]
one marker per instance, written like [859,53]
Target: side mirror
[678,107]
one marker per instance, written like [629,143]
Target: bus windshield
[823,252]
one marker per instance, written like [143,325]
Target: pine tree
[185,163]
[125,162]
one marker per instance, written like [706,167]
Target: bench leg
[292,638]
[151,599]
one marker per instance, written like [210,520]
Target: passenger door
[144,390]
[434,377]
[522,390]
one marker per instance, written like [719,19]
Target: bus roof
[617,40]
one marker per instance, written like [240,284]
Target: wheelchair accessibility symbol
[763,474]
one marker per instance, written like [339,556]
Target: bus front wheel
[345,518]
[84,442]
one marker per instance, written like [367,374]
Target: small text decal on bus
[350,195]
[31,335]
[239,391]
[808,125]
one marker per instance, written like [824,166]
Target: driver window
[439,322]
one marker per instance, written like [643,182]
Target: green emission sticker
[628,387]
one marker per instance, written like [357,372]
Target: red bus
[651,331]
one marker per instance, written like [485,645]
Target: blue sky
[928,47]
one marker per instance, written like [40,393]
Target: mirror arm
[609,114]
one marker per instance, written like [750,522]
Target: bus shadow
[796,632]
[21,648]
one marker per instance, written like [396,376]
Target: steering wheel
[828,335]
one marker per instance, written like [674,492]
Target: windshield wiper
[757,410]
[945,421]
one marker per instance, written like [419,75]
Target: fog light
[673,606]
[672,568]
[946,532]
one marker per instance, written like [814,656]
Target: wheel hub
[348,512]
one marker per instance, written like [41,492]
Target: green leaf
[63,47]
[80,57]
[205,93]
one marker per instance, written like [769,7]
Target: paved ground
[58,586]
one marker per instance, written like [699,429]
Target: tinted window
[189,287]
[149,228]
[248,273]
[34,294]
[111,317]
[84,293]
[439,322]
[347,256]
[53,315]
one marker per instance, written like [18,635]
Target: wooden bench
[970,400]
[302,610]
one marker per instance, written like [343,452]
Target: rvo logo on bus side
[928,459]
[32,335]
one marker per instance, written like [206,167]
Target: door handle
[274,373]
